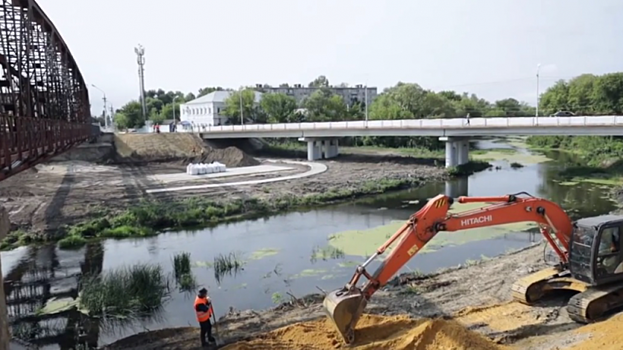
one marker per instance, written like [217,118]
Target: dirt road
[477,296]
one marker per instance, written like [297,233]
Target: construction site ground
[460,308]
[120,170]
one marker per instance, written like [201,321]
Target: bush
[131,291]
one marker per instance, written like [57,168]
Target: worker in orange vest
[204,311]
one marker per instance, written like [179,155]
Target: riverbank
[476,295]
[82,199]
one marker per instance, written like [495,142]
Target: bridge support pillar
[4,323]
[457,151]
[321,148]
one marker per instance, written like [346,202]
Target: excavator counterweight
[590,256]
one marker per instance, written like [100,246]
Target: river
[282,253]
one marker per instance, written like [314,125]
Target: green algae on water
[362,242]
[264,253]
[310,273]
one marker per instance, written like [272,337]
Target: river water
[278,251]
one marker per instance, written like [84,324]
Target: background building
[208,110]
[350,95]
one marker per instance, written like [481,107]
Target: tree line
[584,94]
[587,94]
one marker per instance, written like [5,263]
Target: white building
[208,110]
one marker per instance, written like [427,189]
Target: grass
[326,253]
[183,273]
[125,292]
[227,265]
[148,218]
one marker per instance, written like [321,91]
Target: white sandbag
[188,167]
[194,169]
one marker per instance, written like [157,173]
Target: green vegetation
[473,166]
[124,292]
[182,271]
[362,243]
[263,253]
[326,253]
[226,265]
[516,165]
[148,218]
[18,238]
[587,95]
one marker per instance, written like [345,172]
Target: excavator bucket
[344,307]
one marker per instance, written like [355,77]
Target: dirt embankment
[440,311]
[184,147]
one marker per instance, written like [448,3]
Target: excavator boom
[344,306]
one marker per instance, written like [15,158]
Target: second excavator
[589,253]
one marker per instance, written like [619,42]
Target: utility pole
[241,114]
[174,98]
[104,113]
[140,59]
[538,70]
[366,104]
[112,117]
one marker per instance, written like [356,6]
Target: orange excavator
[589,252]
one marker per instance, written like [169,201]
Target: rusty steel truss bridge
[44,102]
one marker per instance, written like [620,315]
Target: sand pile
[373,333]
[605,335]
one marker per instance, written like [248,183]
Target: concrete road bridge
[322,138]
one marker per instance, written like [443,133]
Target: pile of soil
[372,333]
[166,147]
[231,156]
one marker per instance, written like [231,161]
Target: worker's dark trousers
[206,329]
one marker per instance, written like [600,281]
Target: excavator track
[531,288]
[595,303]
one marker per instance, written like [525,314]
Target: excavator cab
[596,254]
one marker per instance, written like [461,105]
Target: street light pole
[105,118]
[174,98]
[538,70]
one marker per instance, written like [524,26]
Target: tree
[319,82]
[233,102]
[133,112]
[121,120]
[323,105]
[279,108]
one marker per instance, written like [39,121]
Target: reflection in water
[36,279]
[457,187]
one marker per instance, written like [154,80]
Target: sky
[488,47]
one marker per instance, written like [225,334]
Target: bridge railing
[521,122]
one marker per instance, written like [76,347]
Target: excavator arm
[345,305]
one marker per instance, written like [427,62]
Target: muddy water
[283,254]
